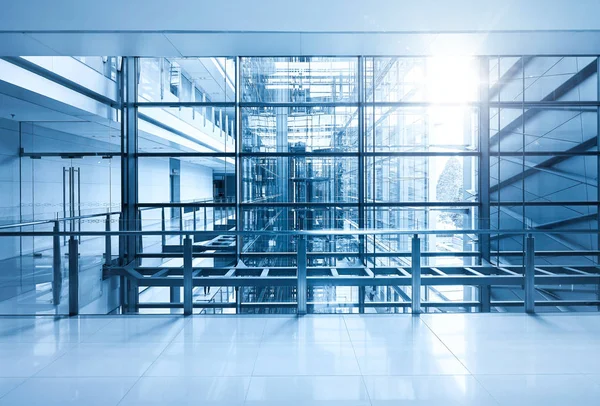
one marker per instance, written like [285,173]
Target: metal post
[194,228]
[180,224]
[163,227]
[107,243]
[134,295]
[129,162]
[484,160]
[175,294]
[485,298]
[187,276]
[238,299]
[361,164]
[73,276]
[530,275]
[301,285]
[416,274]
[361,299]
[57,271]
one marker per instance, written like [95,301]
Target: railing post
[163,228]
[301,284]
[56,265]
[361,299]
[107,243]
[134,295]
[485,298]
[187,277]
[180,224]
[416,274]
[73,276]
[238,300]
[194,219]
[530,275]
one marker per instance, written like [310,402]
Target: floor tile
[399,328]
[26,359]
[135,329]
[224,391]
[8,384]
[546,390]
[109,359]
[307,391]
[223,329]
[308,329]
[206,359]
[460,390]
[306,359]
[50,329]
[68,391]
[412,358]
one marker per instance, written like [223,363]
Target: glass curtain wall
[544,155]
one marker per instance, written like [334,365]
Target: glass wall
[543,147]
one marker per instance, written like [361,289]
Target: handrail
[61,219]
[316,233]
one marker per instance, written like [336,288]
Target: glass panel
[186,129]
[433,79]
[421,179]
[561,79]
[187,80]
[434,129]
[300,179]
[506,78]
[185,180]
[71,136]
[300,129]
[299,80]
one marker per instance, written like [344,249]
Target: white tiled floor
[441,359]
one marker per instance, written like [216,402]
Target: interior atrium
[250,208]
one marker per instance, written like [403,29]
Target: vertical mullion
[238,160]
[484,158]
[361,158]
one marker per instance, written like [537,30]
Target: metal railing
[302,276]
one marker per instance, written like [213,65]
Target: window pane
[187,80]
[293,129]
[301,79]
[189,129]
[435,128]
[433,79]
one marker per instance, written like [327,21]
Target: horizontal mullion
[183,104]
[534,104]
[247,104]
[421,103]
[421,153]
[544,153]
[189,204]
[187,154]
[298,154]
[537,204]
[421,204]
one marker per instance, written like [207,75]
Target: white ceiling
[306,27]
